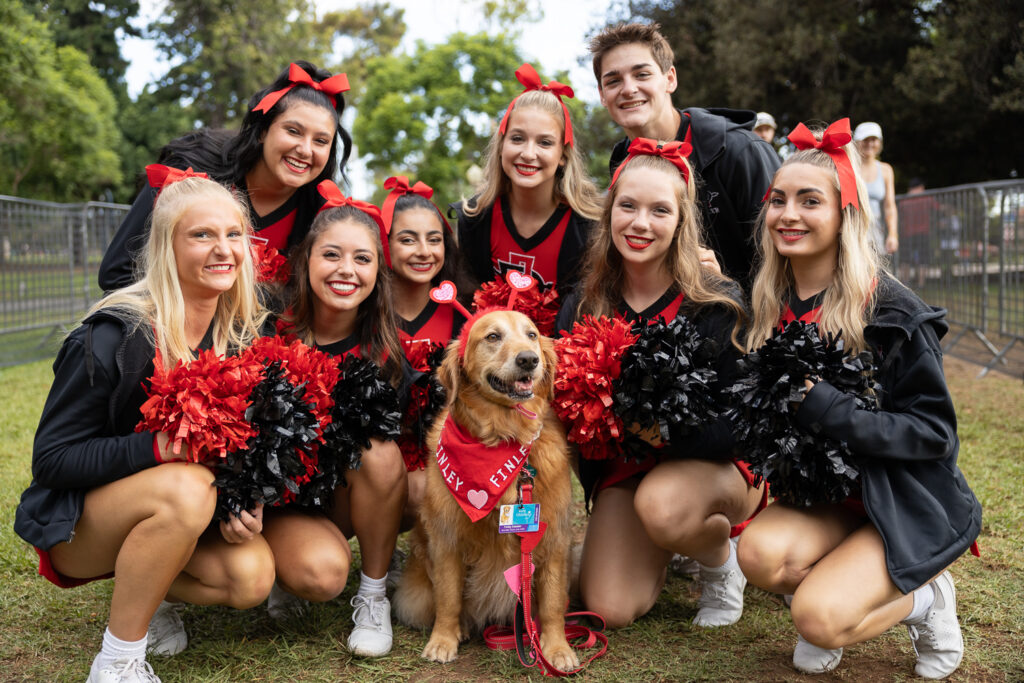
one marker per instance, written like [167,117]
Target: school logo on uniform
[524,264]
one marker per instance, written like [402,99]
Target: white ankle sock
[924,597]
[368,586]
[114,648]
[730,562]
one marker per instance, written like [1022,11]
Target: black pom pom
[801,468]
[280,458]
[666,379]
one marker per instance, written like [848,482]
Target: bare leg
[311,555]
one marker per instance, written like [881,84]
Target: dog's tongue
[523,386]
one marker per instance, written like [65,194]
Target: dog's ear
[450,370]
[547,350]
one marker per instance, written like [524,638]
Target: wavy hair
[155,302]
[454,267]
[375,318]
[572,184]
[848,302]
[601,286]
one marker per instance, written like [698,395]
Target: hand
[709,260]
[243,527]
[166,448]
[892,243]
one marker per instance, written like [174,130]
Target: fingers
[709,260]
[244,526]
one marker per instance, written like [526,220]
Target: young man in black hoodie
[636,79]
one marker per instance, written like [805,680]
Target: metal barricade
[49,256]
[962,248]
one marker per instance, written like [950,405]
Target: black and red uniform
[492,246]
[436,324]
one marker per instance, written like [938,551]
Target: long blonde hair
[848,302]
[155,302]
[601,286]
[572,184]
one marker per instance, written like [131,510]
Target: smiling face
[531,152]
[417,245]
[636,92]
[505,358]
[209,247]
[803,216]
[296,146]
[644,216]
[343,267]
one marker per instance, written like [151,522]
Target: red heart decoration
[444,293]
[518,281]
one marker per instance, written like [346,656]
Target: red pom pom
[201,404]
[589,360]
[302,364]
[540,307]
[418,353]
[271,265]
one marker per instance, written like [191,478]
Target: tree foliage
[363,33]
[429,114]
[58,140]
[939,77]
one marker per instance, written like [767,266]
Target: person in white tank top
[878,180]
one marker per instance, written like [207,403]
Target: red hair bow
[831,143]
[530,79]
[675,152]
[336,198]
[399,186]
[333,86]
[160,176]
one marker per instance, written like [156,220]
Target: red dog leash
[525,633]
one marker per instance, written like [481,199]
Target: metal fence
[49,256]
[960,247]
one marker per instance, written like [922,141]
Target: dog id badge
[518,518]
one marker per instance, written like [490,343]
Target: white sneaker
[936,638]
[721,595]
[122,671]
[811,659]
[683,565]
[166,631]
[372,635]
[283,605]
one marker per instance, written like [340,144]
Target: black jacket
[735,168]
[912,489]
[86,435]
[715,441]
[474,234]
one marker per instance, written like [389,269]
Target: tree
[57,132]
[365,32]
[224,53]
[430,114]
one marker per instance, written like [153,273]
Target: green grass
[51,634]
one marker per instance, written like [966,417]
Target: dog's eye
[531,335]
[493,337]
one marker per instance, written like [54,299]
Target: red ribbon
[333,86]
[335,198]
[160,176]
[530,79]
[831,143]
[399,186]
[674,152]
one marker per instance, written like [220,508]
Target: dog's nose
[527,360]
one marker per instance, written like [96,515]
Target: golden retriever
[454,577]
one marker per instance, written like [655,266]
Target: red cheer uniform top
[436,324]
[274,228]
[805,310]
[666,308]
[537,255]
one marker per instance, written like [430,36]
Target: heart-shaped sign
[518,281]
[477,498]
[444,293]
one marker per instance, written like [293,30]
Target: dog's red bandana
[477,475]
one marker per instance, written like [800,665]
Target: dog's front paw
[441,647]
[560,655]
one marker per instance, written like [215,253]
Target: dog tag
[519,518]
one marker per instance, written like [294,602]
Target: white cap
[868,129]
[764,119]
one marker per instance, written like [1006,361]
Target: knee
[664,518]
[250,576]
[821,620]
[383,466]
[185,496]
[617,611]
[319,578]
[766,564]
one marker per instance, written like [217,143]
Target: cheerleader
[536,206]
[288,143]
[340,300]
[687,497]
[106,501]
[881,557]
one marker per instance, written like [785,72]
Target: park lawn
[51,634]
